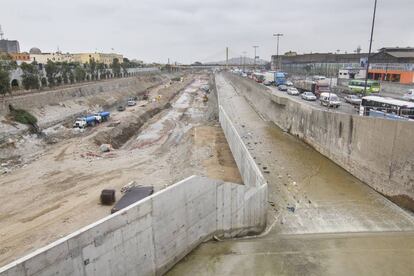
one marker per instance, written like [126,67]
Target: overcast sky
[194,30]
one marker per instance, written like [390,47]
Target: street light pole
[370,47]
[244,61]
[277,51]
[255,47]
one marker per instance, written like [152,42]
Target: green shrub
[22,116]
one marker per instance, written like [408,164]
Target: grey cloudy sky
[189,30]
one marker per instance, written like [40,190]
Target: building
[352,73]
[393,64]
[327,64]
[106,58]
[43,58]
[20,57]
[9,46]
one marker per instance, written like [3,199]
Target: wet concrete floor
[327,222]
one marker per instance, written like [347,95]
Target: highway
[345,107]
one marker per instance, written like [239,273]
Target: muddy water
[326,222]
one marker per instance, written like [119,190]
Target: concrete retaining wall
[375,150]
[149,237]
[50,97]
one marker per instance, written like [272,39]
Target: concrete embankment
[377,151]
[150,236]
[53,97]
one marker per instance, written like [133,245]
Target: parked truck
[317,87]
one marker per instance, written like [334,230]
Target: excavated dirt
[58,192]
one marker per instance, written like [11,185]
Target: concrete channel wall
[149,237]
[375,150]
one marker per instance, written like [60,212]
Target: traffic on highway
[319,92]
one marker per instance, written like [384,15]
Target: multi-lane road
[344,107]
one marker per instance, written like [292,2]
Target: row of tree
[53,74]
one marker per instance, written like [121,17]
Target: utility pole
[277,51]
[370,47]
[244,61]
[255,56]
[227,57]
[1,33]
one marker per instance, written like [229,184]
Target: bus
[357,86]
[386,107]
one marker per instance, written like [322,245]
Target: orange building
[393,64]
[400,76]
[22,57]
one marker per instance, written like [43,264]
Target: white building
[352,73]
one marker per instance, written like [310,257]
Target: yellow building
[98,57]
[43,58]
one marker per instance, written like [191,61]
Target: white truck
[269,78]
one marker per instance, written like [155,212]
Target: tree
[71,77]
[51,71]
[80,73]
[116,67]
[4,81]
[101,69]
[65,72]
[30,77]
[92,67]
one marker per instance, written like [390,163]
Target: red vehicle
[316,87]
[258,77]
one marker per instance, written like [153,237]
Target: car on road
[353,99]
[293,91]
[308,96]
[330,100]
[289,83]
[131,102]
[205,88]
[282,87]
[120,108]
[409,96]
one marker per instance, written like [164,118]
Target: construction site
[172,135]
[244,182]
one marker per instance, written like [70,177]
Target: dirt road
[59,192]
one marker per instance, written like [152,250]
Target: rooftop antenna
[1,33]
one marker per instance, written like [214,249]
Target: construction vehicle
[102,116]
[86,121]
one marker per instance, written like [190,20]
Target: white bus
[386,107]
